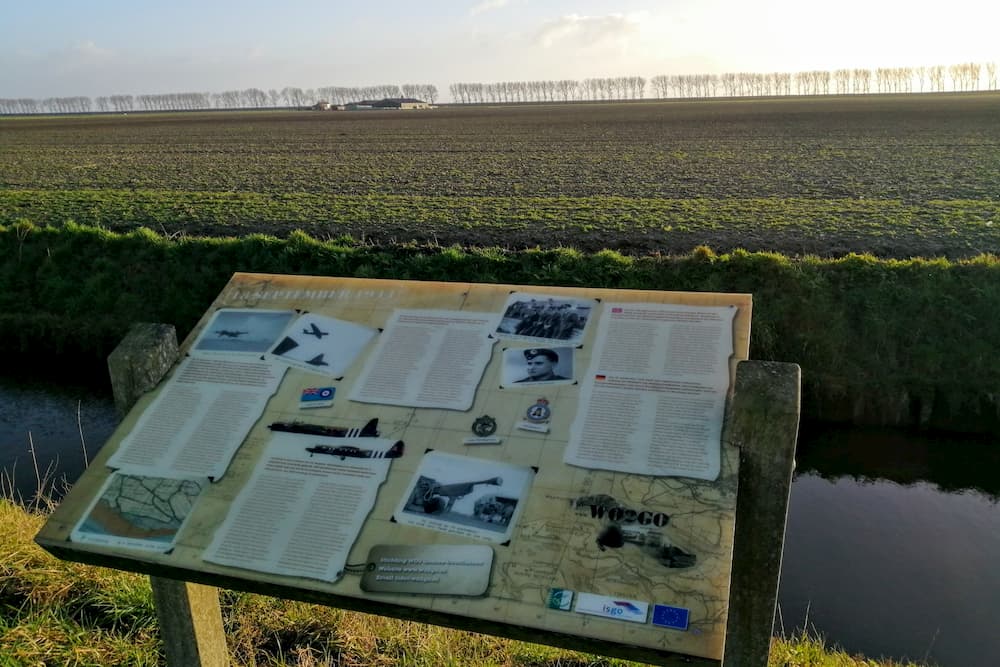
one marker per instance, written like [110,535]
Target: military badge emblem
[484,427]
[537,417]
[539,412]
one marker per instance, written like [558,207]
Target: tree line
[857,81]
[248,98]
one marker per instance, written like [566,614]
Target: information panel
[547,458]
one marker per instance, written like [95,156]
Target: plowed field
[899,176]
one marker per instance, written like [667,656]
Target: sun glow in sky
[107,47]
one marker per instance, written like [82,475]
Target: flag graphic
[670,617]
[317,397]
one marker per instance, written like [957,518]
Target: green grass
[819,226]
[55,612]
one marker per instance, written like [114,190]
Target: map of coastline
[131,507]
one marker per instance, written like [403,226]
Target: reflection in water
[50,415]
[897,571]
[951,463]
[891,549]
[895,568]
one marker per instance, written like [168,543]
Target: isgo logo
[609,607]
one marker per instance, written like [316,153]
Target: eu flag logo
[671,617]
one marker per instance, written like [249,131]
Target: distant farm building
[388,103]
[322,105]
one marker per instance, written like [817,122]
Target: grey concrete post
[189,615]
[763,422]
[140,361]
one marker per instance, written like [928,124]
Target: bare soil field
[896,176]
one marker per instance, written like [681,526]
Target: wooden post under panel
[763,422]
[190,621]
[189,615]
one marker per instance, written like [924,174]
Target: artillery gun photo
[435,498]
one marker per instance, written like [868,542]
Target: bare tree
[228,99]
[822,79]
[728,81]
[975,71]
[935,76]
[906,74]
[294,97]
[965,76]
[566,89]
[785,82]
[881,79]
[659,84]
[842,80]
[468,93]
[802,83]
[255,97]
[957,73]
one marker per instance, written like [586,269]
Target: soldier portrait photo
[537,365]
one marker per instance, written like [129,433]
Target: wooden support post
[190,623]
[763,422]
[189,616]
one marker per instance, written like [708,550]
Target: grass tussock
[54,612]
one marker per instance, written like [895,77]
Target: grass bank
[895,342]
[58,613]
[828,227]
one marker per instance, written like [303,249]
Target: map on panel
[652,539]
[139,512]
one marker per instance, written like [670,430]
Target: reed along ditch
[891,545]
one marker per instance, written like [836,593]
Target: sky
[65,48]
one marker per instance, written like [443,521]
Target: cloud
[90,51]
[576,30]
[487,6]
[79,54]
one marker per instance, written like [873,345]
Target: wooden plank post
[190,621]
[189,615]
[763,422]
